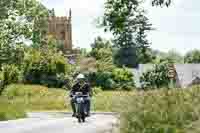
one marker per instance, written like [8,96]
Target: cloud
[176,25]
[84,5]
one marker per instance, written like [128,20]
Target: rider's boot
[74,115]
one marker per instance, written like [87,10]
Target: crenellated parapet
[61,29]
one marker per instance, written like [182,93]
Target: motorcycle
[80,106]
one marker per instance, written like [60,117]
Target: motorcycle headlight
[79,99]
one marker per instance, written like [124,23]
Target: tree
[20,21]
[174,56]
[52,13]
[143,50]
[103,53]
[128,23]
[171,56]
[98,44]
[192,56]
[44,67]
[23,20]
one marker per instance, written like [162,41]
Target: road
[60,123]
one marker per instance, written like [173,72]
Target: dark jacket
[85,89]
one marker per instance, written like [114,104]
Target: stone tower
[61,29]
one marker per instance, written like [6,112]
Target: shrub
[105,80]
[122,75]
[10,74]
[124,78]
[117,79]
[157,77]
[43,67]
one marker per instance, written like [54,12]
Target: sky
[176,27]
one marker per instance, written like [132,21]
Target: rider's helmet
[80,77]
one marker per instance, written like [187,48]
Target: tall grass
[164,111]
[35,97]
[39,98]
[10,111]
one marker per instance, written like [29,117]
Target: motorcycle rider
[81,86]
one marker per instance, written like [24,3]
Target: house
[186,74]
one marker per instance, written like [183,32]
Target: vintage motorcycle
[80,106]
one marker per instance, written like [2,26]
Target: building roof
[186,73]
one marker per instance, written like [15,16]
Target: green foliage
[104,80]
[102,52]
[192,57]
[43,67]
[156,77]
[128,22]
[170,56]
[116,79]
[10,54]
[122,75]
[123,56]
[175,57]
[145,56]
[19,21]
[98,44]
[10,74]
[123,78]
[105,60]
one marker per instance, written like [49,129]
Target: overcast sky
[177,27]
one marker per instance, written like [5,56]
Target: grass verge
[164,111]
[11,111]
[39,98]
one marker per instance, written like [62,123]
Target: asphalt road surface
[61,123]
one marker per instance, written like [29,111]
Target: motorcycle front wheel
[80,113]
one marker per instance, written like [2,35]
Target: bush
[124,78]
[157,77]
[117,79]
[122,75]
[105,80]
[10,74]
[44,67]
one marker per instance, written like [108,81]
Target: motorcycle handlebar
[81,95]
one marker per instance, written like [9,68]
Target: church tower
[61,29]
